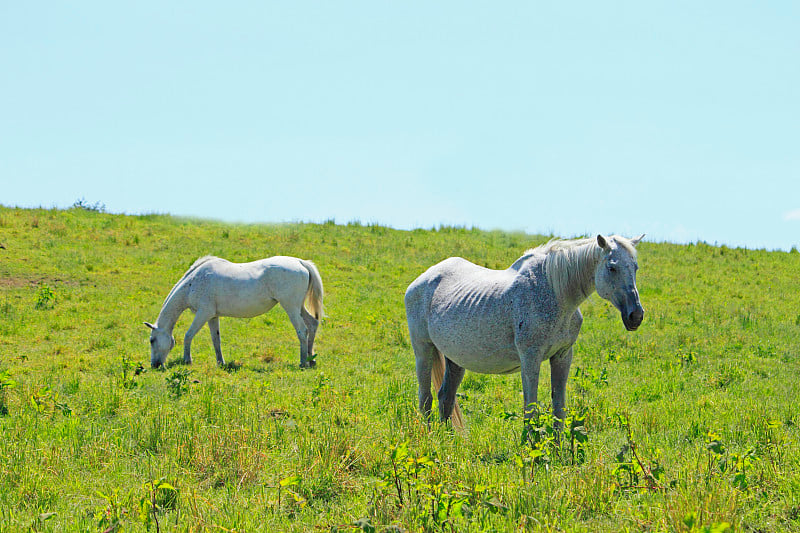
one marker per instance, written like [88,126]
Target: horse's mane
[565,262]
[195,265]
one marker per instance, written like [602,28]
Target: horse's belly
[244,306]
[499,362]
[482,350]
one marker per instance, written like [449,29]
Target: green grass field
[689,424]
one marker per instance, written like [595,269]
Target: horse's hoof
[308,364]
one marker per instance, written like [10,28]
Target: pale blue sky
[678,119]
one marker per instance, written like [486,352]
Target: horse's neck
[575,280]
[174,305]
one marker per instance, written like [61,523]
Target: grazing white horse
[465,317]
[214,287]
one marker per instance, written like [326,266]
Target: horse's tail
[315,291]
[438,376]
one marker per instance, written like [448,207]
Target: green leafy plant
[691,522]
[547,439]
[40,520]
[406,469]
[418,487]
[586,378]
[723,462]
[45,298]
[287,485]
[631,470]
[320,388]
[130,370]
[686,359]
[772,441]
[111,516]
[578,436]
[160,497]
[6,382]
[178,382]
[45,400]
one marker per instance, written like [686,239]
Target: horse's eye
[612,267]
[152,340]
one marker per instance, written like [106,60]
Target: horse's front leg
[213,326]
[530,365]
[559,374]
[200,318]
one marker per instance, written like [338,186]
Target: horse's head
[615,278]
[161,342]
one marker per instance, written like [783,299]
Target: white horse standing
[465,317]
[214,287]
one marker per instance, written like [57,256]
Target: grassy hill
[688,424]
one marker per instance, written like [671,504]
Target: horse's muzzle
[633,319]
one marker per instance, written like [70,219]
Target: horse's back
[248,289]
[455,279]
[421,291]
[270,266]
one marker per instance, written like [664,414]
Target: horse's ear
[149,325]
[602,242]
[637,240]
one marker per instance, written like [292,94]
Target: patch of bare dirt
[18,282]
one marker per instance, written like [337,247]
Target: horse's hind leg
[312,324]
[213,326]
[302,333]
[425,355]
[453,375]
